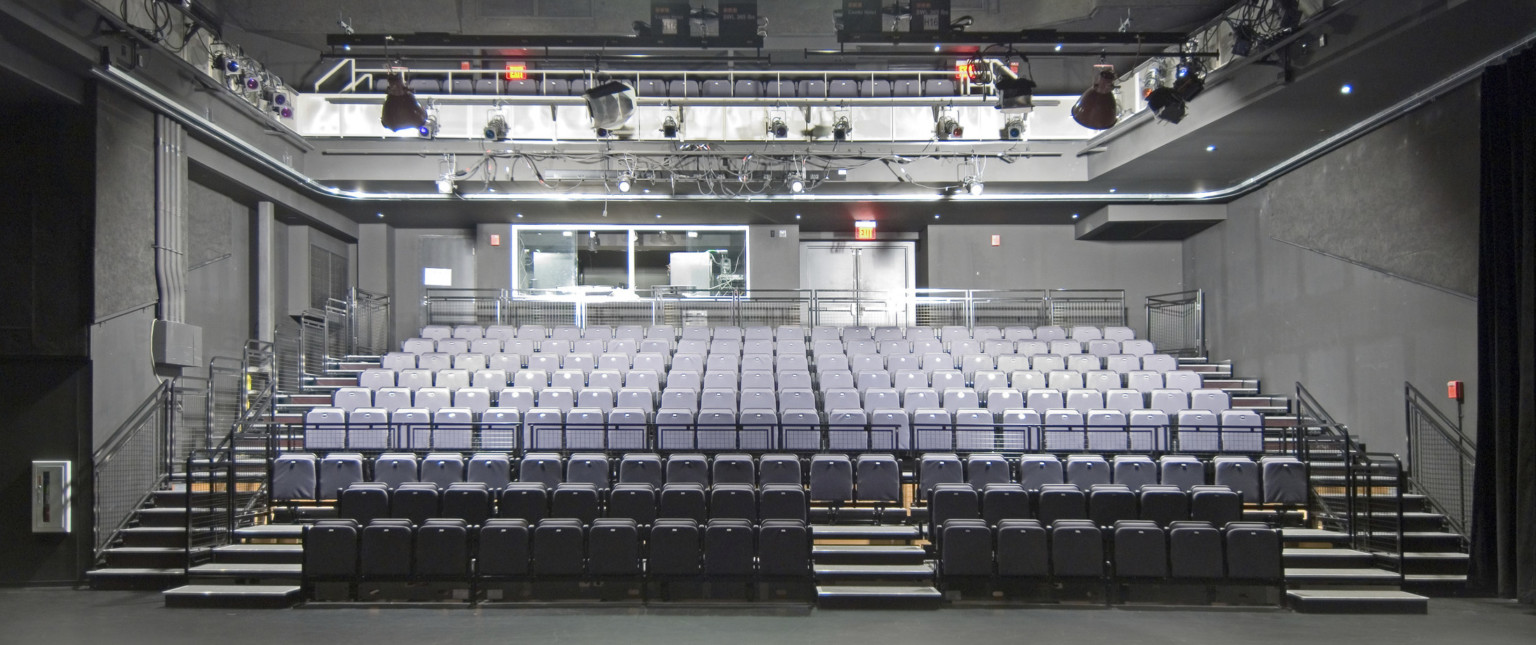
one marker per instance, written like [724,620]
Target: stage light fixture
[1096,108]
[1166,105]
[841,128]
[947,128]
[401,110]
[778,128]
[669,127]
[1014,128]
[428,128]
[626,181]
[974,185]
[610,104]
[796,183]
[959,24]
[1189,81]
[641,28]
[496,128]
[1014,93]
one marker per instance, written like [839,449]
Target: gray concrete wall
[773,262]
[406,297]
[1349,331]
[218,262]
[1048,257]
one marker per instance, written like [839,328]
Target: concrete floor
[121,618]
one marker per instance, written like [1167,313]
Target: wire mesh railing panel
[1176,323]
[132,462]
[939,308]
[1009,308]
[1441,460]
[287,343]
[192,417]
[370,323]
[773,308]
[464,307]
[337,320]
[704,310]
[210,501]
[1376,517]
[835,308]
[1090,307]
[312,345]
[619,312]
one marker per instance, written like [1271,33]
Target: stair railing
[134,461]
[1440,459]
[217,501]
[1371,511]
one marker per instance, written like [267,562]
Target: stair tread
[867,548]
[1435,577]
[1327,553]
[247,569]
[260,548]
[204,589]
[134,571]
[1312,535]
[1342,572]
[1354,594]
[270,531]
[875,569]
[868,590]
[839,530]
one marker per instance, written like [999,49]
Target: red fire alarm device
[495,239]
[997,240]
[864,229]
[1455,391]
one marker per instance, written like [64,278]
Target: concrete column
[264,283]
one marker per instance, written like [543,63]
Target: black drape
[1504,510]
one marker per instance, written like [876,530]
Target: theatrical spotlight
[778,128]
[641,27]
[1189,81]
[428,128]
[401,110]
[796,183]
[1014,94]
[973,185]
[1166,104]
[947,128]
[610,104]
[669,127]
[1014,128]
[496,128]
[1096,108]
[626,181]
[841,128]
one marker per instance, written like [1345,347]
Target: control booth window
[706,259]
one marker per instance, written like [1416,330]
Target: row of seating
[476,503]
[1104,504]
[1058,430]
[568,393]
[448,549]
[1131,549]
[996,348]
[1274,479]
[782,332]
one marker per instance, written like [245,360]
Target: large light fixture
[1014,128]
[947,128]
[973,185]
[1014,94]
[401,110]
[496,128]
[626,181]
[1096,108]
[1167,105]
[669,127]
[610,104]
[841,128]
[796,183]
[778,128]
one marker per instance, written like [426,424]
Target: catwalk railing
[1358,492]
[808,307]
[1176,322]
[131,464]
[1440,459]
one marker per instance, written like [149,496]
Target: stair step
[1326,558]
[867,554]
[1348,601]
[1324,536]
[120,578]
[247,571]
[1425,541]
[892,572]
[160,536]
[149,557]
[1341,576]
[259,554]
[876,597]
[270,532]
[854,532]
[233,596]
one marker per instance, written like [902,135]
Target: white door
[859,283]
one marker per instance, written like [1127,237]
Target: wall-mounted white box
[51,495]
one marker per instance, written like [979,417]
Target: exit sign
[516,72]
[864,230]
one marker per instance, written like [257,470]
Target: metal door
[859,283]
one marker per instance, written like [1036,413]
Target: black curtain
[1504,512]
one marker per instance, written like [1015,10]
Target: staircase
[872,567]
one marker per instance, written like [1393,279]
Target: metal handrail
[1421,412]
[163,400]
[1193,302]
[1362,471]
